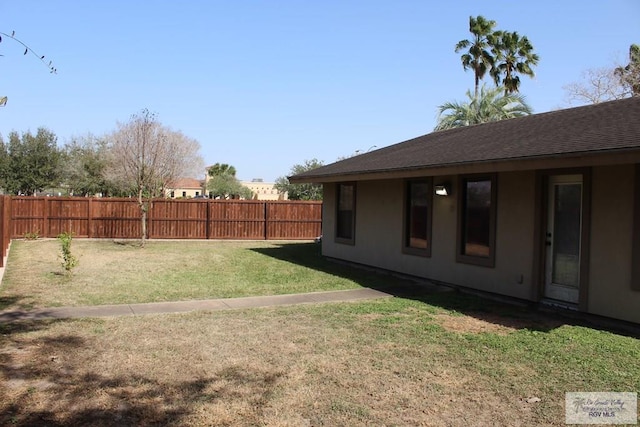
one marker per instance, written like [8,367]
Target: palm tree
[478,56]
[513,55]
[489,105]
[221,169]
[630,75]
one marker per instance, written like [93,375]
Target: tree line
[140,157]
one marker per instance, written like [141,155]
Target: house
[185,188]
[544,208]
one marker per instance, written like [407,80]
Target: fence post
[3,229]
[266,221]
[150,219]
[207,226]
[45,221]
[89,217]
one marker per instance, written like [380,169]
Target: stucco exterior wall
[610,292]
[183,192]
[264,190]
[378,235]
[379,232]
[378,224]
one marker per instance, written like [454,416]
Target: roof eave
[575,159]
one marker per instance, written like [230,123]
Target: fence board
[168,219]
[289,220]
[178,219]
[115,218]
[236,219]
[70,216]
[27,216]
[5,227]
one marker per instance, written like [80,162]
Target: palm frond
[487,106]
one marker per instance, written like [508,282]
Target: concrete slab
[348,295]
[177,306]
[266,301]
[186,306]
[89,311]
[65,312]
[312,297]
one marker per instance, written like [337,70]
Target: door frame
[540,230]
[552,290]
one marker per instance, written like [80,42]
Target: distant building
[261,190]
[264,190]
[185,188]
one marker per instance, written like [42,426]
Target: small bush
[69,261]
[31,235]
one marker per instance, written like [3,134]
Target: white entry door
[563,238]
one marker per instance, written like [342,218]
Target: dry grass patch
[471,325]
[479,322]
[377,363]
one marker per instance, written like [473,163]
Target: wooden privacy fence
[167,219]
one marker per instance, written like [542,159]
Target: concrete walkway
[186,306]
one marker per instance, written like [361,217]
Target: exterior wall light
[443,189]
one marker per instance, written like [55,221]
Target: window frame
[340,239]
[461,257]
[406,226]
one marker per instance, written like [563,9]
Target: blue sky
[264,85]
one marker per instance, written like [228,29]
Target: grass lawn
[116,273]
[432,359]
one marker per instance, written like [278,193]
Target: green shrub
[69,261]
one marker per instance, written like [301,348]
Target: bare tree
[607,83]
[146,156]
[181,158]
[597,85]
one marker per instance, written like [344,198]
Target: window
[173,194]
[476,220]
[417,218]
[346,213]
[184,194]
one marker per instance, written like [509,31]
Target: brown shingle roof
[606,127]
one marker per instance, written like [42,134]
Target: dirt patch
[480,322]
[471,325]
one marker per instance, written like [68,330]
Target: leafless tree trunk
[148,157]
[607,84]
[597,85]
